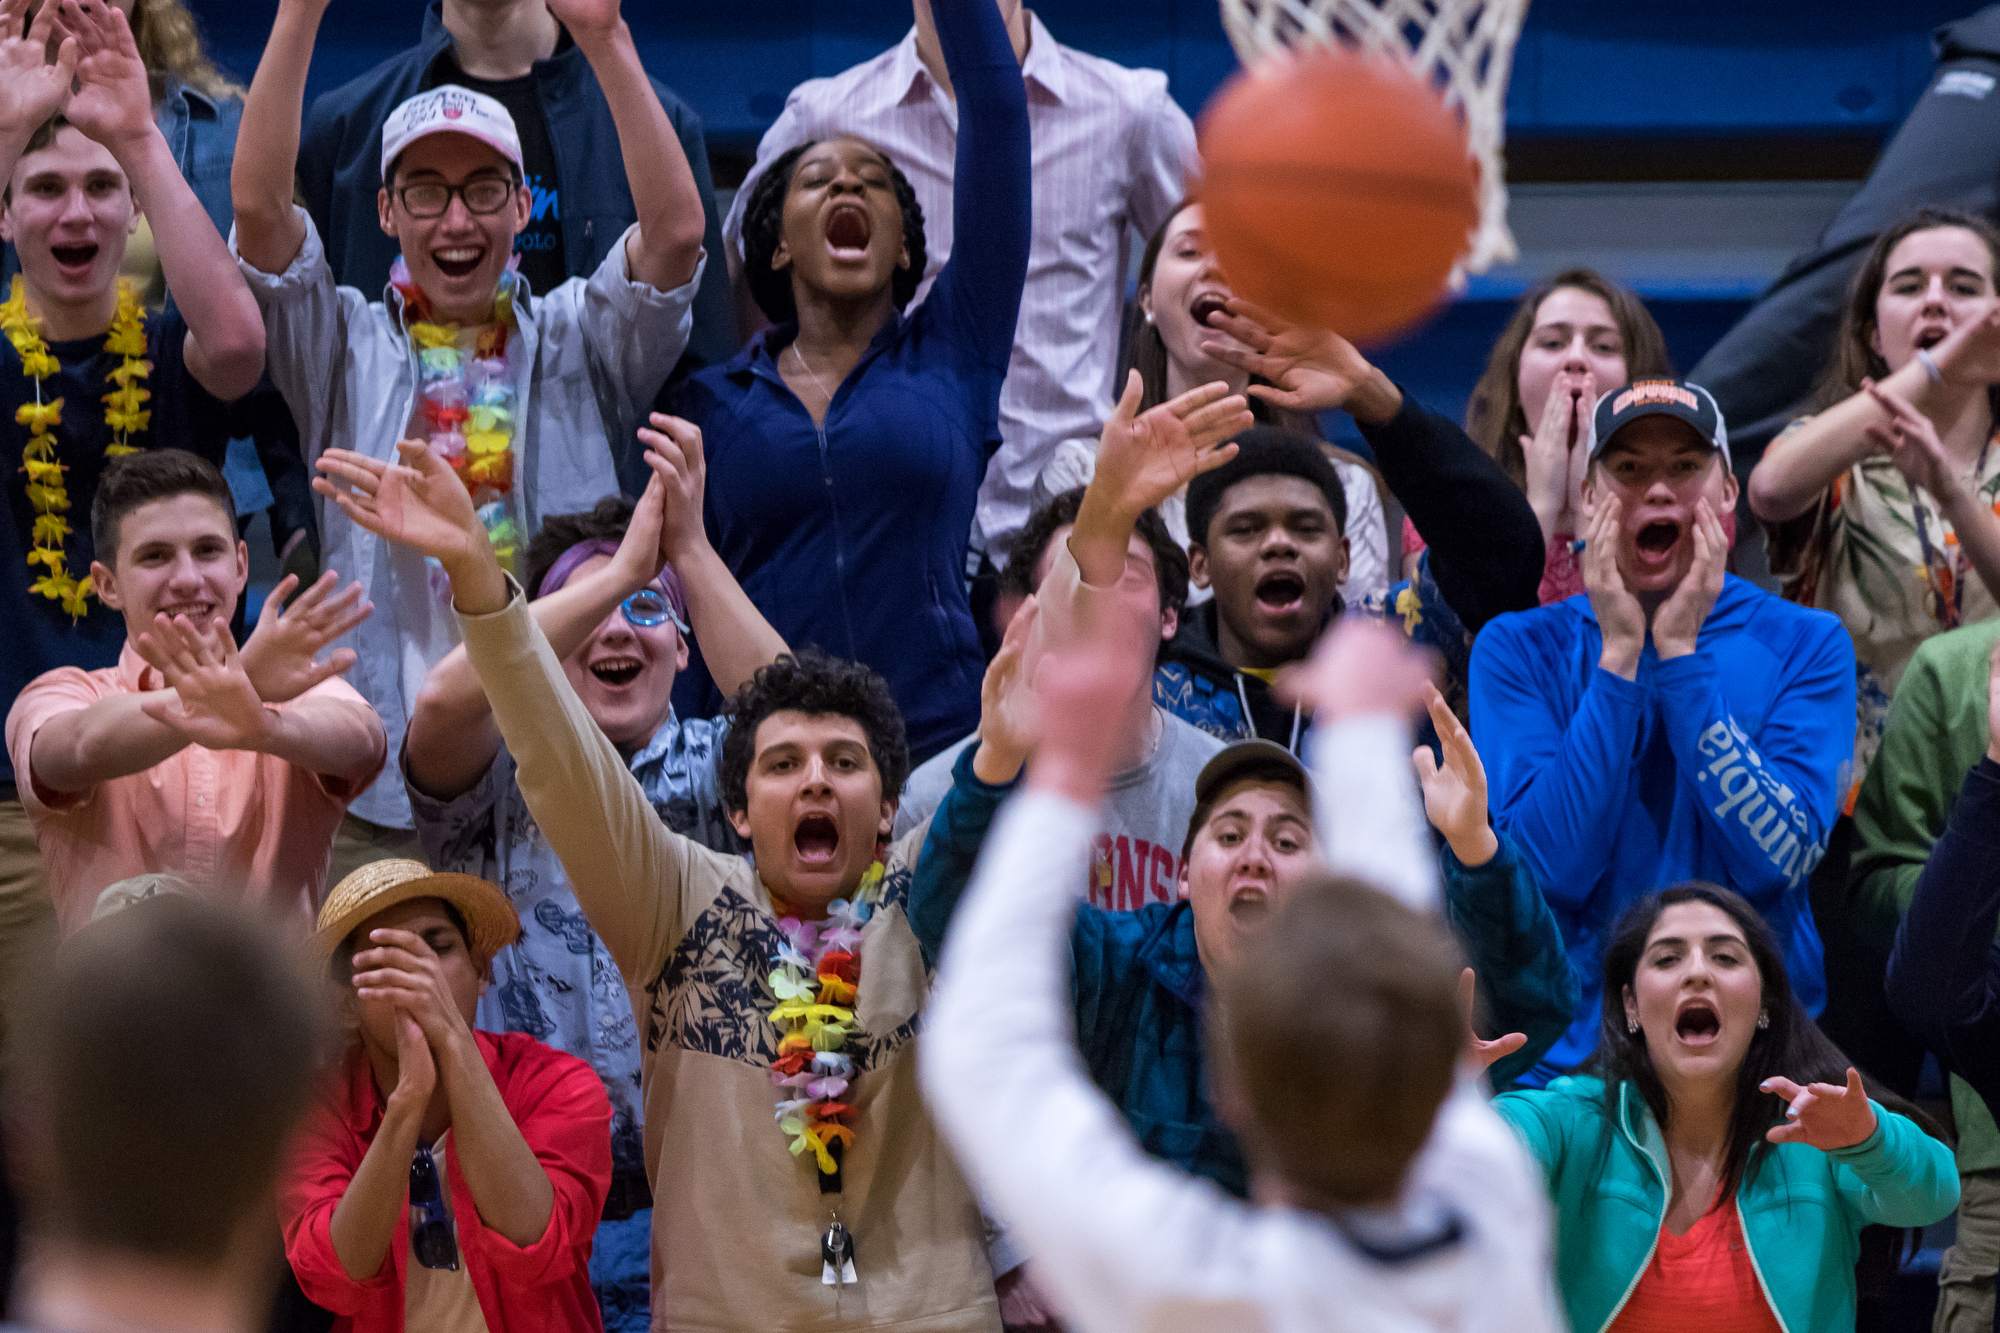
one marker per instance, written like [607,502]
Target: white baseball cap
[450,109]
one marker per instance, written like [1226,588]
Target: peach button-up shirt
[239,826]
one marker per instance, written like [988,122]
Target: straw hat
[490,919]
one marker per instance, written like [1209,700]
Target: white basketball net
[1465,47]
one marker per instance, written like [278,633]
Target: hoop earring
[1763,1019]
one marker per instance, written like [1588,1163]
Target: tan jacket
[737,1219]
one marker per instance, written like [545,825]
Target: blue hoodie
[1726,765]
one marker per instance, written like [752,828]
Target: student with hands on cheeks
[446,1175]
[1676,722]
[1717,1106]
[231,768]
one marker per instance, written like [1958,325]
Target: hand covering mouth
[617,671]
[1281,590]
[816,839]
[458,261]
[849,228]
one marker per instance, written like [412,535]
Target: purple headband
[566,565]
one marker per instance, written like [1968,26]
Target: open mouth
[73,256]
[458,261]
[1206,307]
[816,839]
[1931,337]
[617,671]
[1656,541]
[1247,906]
[848,231]
[1697,1024]
[197,612]
[1281,591]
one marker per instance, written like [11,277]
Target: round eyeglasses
[650,607]
[430,199]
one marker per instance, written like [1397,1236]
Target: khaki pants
[1965,1278]
[27,915]
[359,842]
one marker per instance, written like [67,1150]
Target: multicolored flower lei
[124,413]
[816,976]
[465,395]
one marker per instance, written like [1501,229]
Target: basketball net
[1463,47]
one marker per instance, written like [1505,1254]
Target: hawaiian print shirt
[1882,557]
[558,983]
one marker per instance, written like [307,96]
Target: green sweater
[1801,1209]
[1936,732]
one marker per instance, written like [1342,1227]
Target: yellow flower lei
[123,413]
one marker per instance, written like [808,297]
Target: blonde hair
[170,44]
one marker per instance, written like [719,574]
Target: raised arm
[1802,462]
[667,247]
[113,105]
[977,295]
[627,867]
[269,232]
[32,88]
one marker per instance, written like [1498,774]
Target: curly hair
[170,45]
[819,685]
[607,522]
[764,227]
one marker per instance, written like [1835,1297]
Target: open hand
[1081,695]
[1360,666]
[674,451]
[1620,618]
[1143,459]
[1677,624]
[1911,442]
[1550,453]
[214,704]
[1823,1115]
[113,102]
[32,89]
[1455,791]
[1310,370]
[1007,714]
[419,502]
[399,968]
[1483,1054]
[278,658]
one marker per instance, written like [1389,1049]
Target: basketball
[1338,189]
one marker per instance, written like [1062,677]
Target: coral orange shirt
[1703,1280]
[241,827]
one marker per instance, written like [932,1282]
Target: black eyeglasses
[432,1239]
[430,199]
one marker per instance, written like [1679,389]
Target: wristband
[1930,365]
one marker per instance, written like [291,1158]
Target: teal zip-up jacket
[1801,1209]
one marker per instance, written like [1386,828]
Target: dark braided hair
[764,227]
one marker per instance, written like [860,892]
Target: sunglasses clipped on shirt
[433,1242]
[650,607]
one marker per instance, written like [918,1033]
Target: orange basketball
[1338,191]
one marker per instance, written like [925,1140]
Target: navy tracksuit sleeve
[1514,947]
[1944,974]
[951,851]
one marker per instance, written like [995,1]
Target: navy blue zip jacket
[340,170]
[1137,979]
[1944,975]
[1726,765]
[852,535]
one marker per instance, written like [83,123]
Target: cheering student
[230,768]
[1683,1166]
[782,1115]
[1675,723]
[1388,1193]
[446,1178]
[847,443]
[522,395]
[80,160]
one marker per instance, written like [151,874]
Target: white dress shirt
[1111,153]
